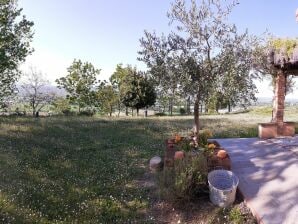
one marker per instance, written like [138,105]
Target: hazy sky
[107,32]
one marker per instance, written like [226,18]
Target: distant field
[81,169]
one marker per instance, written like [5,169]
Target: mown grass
[86,170]
[74,169]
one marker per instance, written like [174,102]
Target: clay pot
[170,143]
[226,163]
[217,145]
[222,154]
[179,155]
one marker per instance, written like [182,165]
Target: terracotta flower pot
[170,143]
[179,155]
[226,163]
[222,154]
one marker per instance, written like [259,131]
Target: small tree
[80,83]
[62,105]
[117,81]
[139,92]
[108,98]
[35,91]
[15,38]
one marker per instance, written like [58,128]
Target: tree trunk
[229,107]
[188,105]
[119,109]
[279,102]
[33,111]
[171,106]
[146,112]
[196,114]
[111,111]
[132,112]
[138,112]
[217,106]
[169,110]
[126,111]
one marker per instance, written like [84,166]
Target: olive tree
[194,57]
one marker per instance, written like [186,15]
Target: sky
[107,32]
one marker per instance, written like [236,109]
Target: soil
[197,211]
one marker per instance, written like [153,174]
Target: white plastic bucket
[222,187]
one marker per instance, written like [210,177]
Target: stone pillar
[279,101]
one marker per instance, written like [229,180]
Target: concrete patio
[268,174]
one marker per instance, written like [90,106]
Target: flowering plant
[194,142]
[178,138]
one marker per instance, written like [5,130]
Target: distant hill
[268,100]
[49,88]
[264,100]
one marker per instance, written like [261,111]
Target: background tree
[80,83]
[15,38]
[35,91]
[62,105]
[235,86]
[108,98]
[163,61]
[140,91]
[117,81]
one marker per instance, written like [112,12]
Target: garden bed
[214,158]
[181,193]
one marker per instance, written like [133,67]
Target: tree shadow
[74,169]
[267,171]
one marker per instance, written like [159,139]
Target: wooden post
[279,101]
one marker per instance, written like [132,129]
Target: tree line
[127,86]
[203,63]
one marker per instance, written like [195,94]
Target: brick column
[279,101]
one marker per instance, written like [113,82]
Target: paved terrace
[268,174]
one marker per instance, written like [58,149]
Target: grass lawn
[86,170]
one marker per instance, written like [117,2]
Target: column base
[273,130]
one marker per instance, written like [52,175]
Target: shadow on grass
[261,165]
[74,170]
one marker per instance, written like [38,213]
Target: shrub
[182,111]
[160,114]
[87,112]
[203,138]
[185,145]
[187,179]
[193,141]
[235,216]
[68,112]
[62,105]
